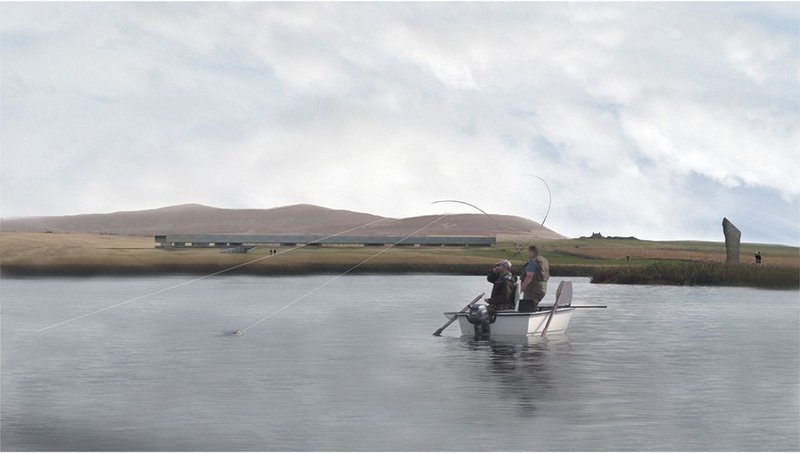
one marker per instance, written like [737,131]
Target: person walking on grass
[536,273]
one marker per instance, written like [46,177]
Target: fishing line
[547,213]
[187,282]
[242,331]
[468,204]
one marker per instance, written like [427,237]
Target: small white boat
[514,323]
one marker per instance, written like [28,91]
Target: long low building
[278,240]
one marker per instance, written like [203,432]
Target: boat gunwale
[514,313]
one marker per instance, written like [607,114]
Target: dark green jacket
[503,292]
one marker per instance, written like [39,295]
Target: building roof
[319,239]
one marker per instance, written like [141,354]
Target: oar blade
[439,331]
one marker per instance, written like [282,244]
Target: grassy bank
[274,269]
[607,261]
[701,274]
[667,273]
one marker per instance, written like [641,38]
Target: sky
[654,120]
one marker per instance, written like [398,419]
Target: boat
[547,320]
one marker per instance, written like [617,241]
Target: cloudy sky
[654,120]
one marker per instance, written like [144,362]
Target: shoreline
[198,269]
[605,261]
[665,273]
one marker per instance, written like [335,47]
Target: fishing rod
[547,213]
[541,224]
[465,203]
[237,266]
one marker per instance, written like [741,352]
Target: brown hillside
[296,219]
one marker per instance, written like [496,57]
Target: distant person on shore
[758,258]
[504,287]
[535,277]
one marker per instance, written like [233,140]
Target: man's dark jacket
[503,291]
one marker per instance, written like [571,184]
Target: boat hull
[512,323]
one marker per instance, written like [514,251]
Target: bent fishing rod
[541,224]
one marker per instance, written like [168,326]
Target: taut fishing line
[240,332]
[187,282]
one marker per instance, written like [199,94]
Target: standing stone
[732,238]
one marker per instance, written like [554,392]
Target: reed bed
[622,262]
[700,274]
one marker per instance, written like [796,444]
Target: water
[354,367]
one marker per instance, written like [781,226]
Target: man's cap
[504,263]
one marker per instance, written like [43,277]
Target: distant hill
[296,219]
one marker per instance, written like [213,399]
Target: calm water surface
[354,367]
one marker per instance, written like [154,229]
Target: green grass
[700,274]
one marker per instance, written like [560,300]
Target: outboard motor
[481,319]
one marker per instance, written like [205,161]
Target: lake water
[354,367]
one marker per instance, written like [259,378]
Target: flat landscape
[93,254]
[122,243]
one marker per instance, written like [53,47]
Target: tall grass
[701,274]
[98,262]
[262,268]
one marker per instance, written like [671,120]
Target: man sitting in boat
[535,275]
[504,287]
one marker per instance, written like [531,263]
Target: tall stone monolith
[732,238]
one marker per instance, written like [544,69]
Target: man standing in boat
[535,275]
[504,287]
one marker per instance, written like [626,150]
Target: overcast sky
[653,120]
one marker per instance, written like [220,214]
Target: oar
[441,329]
[550,318]
[585,306]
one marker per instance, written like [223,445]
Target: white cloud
[756,52]
[730,146]
[628,110]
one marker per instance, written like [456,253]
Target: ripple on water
[354,367]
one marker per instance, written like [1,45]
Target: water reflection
[519,369]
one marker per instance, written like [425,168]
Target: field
[675,262]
